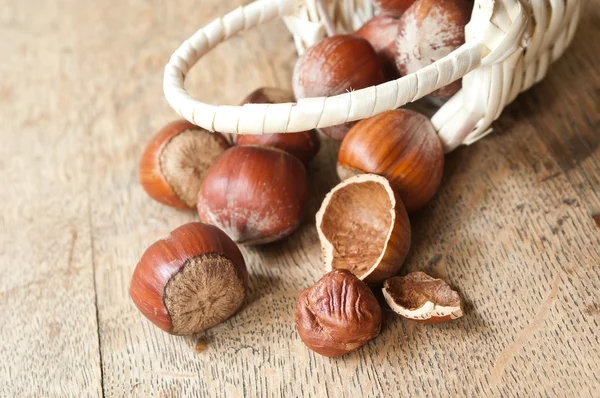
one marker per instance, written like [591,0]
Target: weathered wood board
[511,227]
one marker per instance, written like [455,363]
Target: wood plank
[522,253]
[49,335]
[572,93]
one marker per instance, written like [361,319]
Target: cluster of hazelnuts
[252,189]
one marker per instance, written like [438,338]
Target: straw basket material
[509,47]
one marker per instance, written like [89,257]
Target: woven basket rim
[492,61]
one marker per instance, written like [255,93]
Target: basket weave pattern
[509,46]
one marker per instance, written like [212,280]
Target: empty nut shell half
[420,297]
[363,228]
[176,160]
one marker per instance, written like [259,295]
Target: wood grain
[511,227]
[49,334]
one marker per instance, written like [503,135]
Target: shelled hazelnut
[430,30]
[381,32]
[363,228]
[337,315]
[333,66]
[176,160]
[400,145]
[420,297]
[255,194]
[193,279]
[303,145]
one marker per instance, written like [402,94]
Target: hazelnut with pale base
[175,161]
[192,280]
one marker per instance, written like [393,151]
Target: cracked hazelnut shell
[176,160]
[430,30]
[420,297]
[255,194]
[192,280]
[400,145]
[333,66]
[364,228]
[303,145]
[337,315]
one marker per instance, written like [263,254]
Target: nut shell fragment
[420,297]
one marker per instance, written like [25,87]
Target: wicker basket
[509,47]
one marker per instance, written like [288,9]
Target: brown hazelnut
[175,161]
[382,31]
[420,297]
[303,145]
[333,66]
[400,145]
[337,315]
[254,194]
[193,279]
[430,30]
[364,229]
[393,7]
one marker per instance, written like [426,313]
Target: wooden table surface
[512,227]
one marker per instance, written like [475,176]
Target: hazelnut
[333,66]
[400,145]
[176,160]
[364,229]
[430,30]
[420,297]
[255,194]
[303,145]
[193,279]
[393,7]
[382,31]
[337,315]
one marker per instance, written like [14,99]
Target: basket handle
[307,113]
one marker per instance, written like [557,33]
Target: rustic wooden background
[511,228]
